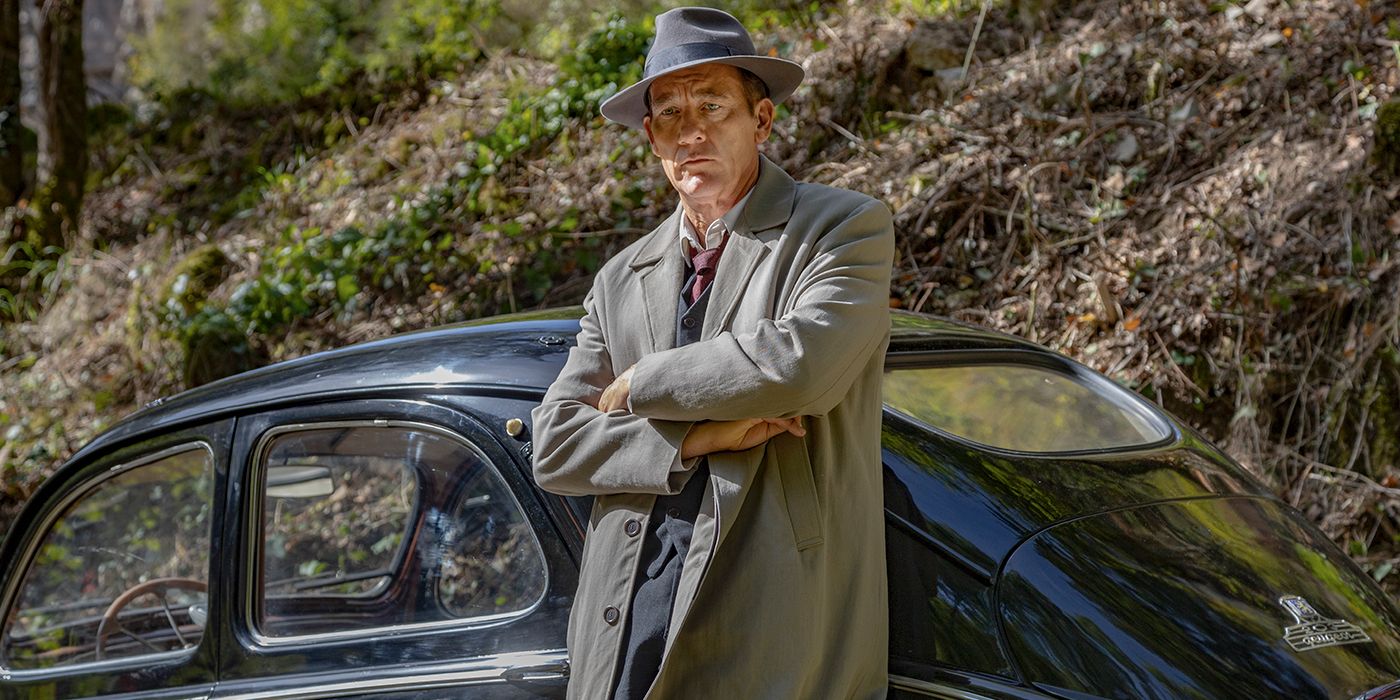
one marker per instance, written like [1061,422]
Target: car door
[108,593]
[387,548]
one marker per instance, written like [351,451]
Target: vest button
[632,527]
[610,615]
[688,321]
[673,512]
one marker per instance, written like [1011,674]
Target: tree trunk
[11,152]
[64,94]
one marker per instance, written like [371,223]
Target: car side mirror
[299,481]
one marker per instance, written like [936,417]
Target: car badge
[1313,631]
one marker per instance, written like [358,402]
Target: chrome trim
[933,690]
[141,661]
[480,671]
[1313,631]
[26,560]
[1385,692]
[254,512]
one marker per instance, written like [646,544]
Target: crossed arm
[636,432]
[708,436]
[585,447]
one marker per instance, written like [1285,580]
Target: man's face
[705,133]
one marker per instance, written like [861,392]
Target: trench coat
[783,593]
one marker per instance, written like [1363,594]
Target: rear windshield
[1023,407]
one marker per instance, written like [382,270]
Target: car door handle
[557,670]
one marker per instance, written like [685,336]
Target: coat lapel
[741,255]
[768,208]
[659,265]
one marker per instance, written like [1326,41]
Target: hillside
[1199,200]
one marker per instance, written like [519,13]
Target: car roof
[514,353]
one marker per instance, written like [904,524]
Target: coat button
[688,321]
[632,527]
[610,615]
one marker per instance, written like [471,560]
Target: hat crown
[686,33]
[693,36]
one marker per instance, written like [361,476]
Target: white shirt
[715,233]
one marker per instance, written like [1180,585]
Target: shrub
[265,52]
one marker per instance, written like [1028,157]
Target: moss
[1379,443]
[193,278]
[211,344]
[214,347]
[135,324]
[1385,416]
[1386,152]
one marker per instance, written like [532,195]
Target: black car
[363,523]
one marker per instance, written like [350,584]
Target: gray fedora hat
[691,36]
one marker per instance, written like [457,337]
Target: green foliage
[436,36]
[211,344]
[250,53]
[30,274]
[266,52]
[311,271]
[609,58]
[308,272]
[933,8]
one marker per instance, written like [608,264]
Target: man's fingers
[608,401]
[616,394]
[740,434]
[792,425]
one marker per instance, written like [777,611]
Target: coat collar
[773,197]
[770,206]
[659,264]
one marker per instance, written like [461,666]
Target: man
[723,406]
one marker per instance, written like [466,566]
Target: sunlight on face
[706,135]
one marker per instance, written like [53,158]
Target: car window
[369,526]
[1022,407]
[122,572]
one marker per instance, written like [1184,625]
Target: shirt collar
[714,235]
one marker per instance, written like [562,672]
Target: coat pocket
[800,491]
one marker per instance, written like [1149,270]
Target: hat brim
[782,77]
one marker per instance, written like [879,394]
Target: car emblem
[1313,631]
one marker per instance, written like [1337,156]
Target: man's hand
[706,437]
[617,393]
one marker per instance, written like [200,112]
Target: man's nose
[692,129]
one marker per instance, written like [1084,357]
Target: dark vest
[667,541]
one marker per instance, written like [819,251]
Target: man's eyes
[673,111]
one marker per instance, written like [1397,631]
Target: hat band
[672,56]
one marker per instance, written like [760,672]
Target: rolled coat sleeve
[801,363]
[581,451]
